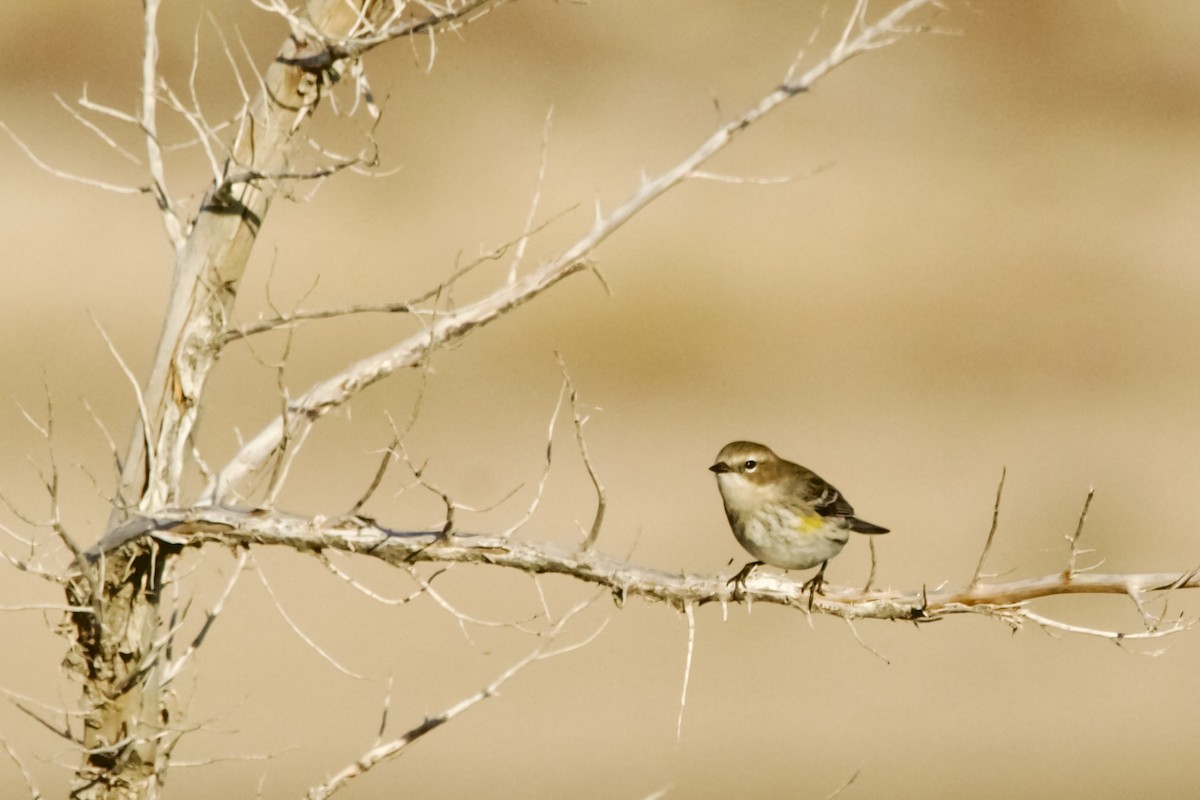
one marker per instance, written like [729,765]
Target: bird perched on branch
[784,514]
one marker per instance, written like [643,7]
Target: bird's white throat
[740,494]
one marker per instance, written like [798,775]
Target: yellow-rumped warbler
[784,514]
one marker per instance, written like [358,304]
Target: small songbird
[784,514]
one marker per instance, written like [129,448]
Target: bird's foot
[814,585]
[738,582]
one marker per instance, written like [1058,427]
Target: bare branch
[308,640]
[335,391]
[395,747]
[173,669]
[389,455]
[870,575]
[96,129]
[26,564]
[205,134]
[58,173]
[462,617]
[858,638]
[705,175]
[302,315]
[846,785]
[149,124]
[26,776]
[208,272]
[987,546]
[335,49]
[63,733]
[601,497]
[287,454]
[50,482]
[50,607]
[229,59]
[143,410]
[236,758]
[1114,636]
[622,579]
[112,445]
[523,242]
[108,111]
[690,614]
[412,306]
[541,487]
[1074,538]
[364,590]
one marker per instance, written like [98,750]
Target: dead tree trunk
[117,643]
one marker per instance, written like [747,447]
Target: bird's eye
[750,465]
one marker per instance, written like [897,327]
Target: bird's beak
[719,468]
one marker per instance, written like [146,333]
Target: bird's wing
[827,499]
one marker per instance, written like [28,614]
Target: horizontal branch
[241,527]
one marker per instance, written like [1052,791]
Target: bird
[784,514]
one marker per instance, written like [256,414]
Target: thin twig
[837,792]
[1073,539]
[149,124]
[176,666]
[69,176]
[97,130]
[63,733]
[451,16]
[462,617]
[52,486]
[537,198]
[737,179]
[541,487]
[389,455]
[412,306]
[112,445]
[304,315]
[308,640]
[870,575]
[1114,636]
[359,587]
[395,747]
[143,411]
[601,497]
[690,614]
[34,792]
[861,641]
[991,531]
[63,607]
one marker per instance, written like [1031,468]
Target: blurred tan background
[994,265]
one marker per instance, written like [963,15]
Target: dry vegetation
[132,634]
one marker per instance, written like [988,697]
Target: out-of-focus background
[988,258]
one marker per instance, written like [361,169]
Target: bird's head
[745,471]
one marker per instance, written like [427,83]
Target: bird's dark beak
[719,468]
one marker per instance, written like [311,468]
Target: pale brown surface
[996,267]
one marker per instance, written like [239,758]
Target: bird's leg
[814,584]
[738,582]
